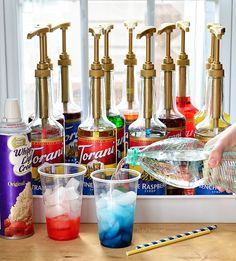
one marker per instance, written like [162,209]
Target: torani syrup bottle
[214,122]
[47,134]
[129,105]
[65,104]
[183,100]
[167,112]
[57,116]
[147,128]
[96,135]
[112,113]
[201,114]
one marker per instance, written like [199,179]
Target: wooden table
[220,245]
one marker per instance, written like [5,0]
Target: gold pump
[182,60]
[50,64]
[96,72]
[148,72]
[217,73]
[130,61]
[211,56]
[64,62]
[42,72]
[167,66]
[107,64]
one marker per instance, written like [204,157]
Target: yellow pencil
[171,240]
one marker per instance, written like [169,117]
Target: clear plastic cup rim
[62,175]
[115,180]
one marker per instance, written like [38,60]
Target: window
[20,55]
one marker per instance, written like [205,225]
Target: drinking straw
[171,240]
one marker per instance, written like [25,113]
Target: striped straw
[177,236]
[171,240]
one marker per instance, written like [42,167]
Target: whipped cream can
[15,181]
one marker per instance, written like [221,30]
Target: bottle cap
[12,110]
[132,156]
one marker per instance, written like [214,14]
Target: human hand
[225,139]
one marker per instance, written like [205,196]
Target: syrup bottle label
[147,184]
[120,143]
[71,140]
[127,123]
[176,132]
[95,154]
[190,129]
[51,151]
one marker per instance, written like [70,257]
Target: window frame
[10,71]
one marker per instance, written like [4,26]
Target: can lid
[12,110]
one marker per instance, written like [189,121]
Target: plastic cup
[115,205]
[62,187]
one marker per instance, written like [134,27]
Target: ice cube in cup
[62,186]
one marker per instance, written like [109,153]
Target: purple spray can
[15,174]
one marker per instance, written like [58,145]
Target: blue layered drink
[115,205]
[115,214]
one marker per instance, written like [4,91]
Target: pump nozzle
[108,66]
[167,66]
[217,73]
[211,57]
[130,61]
[96,72]
[42,72]
[182,60]
[148,72]
[64,62]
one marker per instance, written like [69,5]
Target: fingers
[216,155]
[220,189]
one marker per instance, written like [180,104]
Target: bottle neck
[183,89]
[43,99]
[64,94]
[167,96]
[110,93]
[148,100]
[97,100]
[215,101]
[130,90]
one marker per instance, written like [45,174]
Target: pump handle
[130,24]
[107,28]
[183,25]
[39,31]
[146,31]
[209,25]
[96,31]
[166,27]
[61,26]
[218,31]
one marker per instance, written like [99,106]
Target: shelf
[164,209]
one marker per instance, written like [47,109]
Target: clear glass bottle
[112,113]
[129,105]
[214,122]
[47,134]
[147,128]
[167,111]
[97,136]
[183,162]
[65,103]
[183,99]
